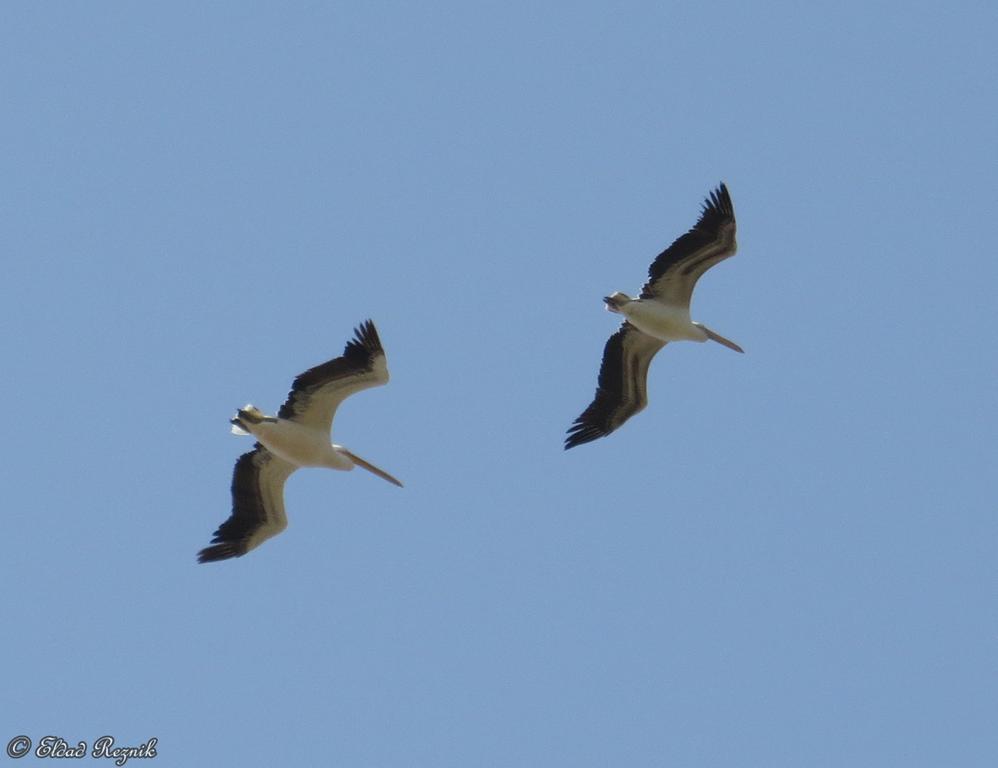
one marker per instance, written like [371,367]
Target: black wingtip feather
[366,342]
[598,420]
[718,203]
[581,432]
[219,552]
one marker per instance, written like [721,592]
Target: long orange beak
[721,340]
[371,468]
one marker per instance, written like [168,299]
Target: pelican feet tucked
[247,416]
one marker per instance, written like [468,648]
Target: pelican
[297,437]
[660,315]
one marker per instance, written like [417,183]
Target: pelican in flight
[297,437]
[660,315]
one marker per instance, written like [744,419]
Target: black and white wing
[257,506]
[674,273]
[622,389]
[315,394]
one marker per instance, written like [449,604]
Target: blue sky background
[788,559]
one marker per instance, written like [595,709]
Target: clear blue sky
[787,560]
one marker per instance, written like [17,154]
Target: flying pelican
[297,437]
[660,315]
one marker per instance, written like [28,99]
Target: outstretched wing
[257,506]
[674,273]
[315,394]
[622,390]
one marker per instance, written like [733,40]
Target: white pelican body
[666,322]
[660,315]
[296,443]
[663,320]
[297,437]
